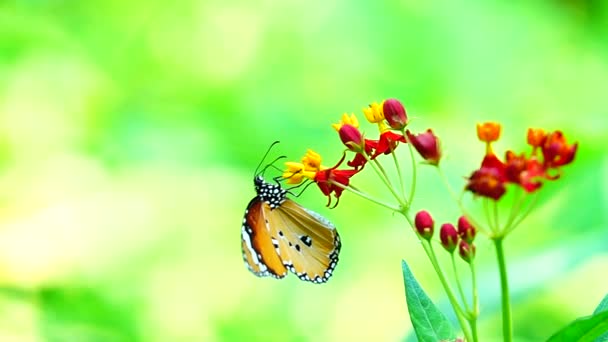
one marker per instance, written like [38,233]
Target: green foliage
[603,306]
[584,329]
[429,323]
[83,314]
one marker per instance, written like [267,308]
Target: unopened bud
[424,224]
[394,113]
[465,230]
[466,251]
[448,236]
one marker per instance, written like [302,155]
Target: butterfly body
[279,235]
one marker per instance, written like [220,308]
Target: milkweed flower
[373,113]
[348,130]
[307,169]
[491,178]
[394,113]
[427,145]
[329,180]
[556,151]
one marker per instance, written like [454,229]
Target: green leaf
[584,329]
[429,323]
[603,306]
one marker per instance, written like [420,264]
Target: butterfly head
[272,194]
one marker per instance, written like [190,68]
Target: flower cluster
[391,118]
[549,152]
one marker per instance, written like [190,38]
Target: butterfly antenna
[306,185]
[264,157]
[271,165]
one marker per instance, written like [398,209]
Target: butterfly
[279,235]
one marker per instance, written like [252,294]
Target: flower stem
[460,314]
[525,213]
[399,174]
[462,296]
[504,289]
[458,201]
[384,177]
[475,310]
[365,196]
[413,187]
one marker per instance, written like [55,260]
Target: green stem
[384,177]
[522,216]
[458,201]
[486,210]
[496,217]
[460,314]
[399,174]
[517,202]
[414,168]
[462,296]
[475,311]
[504,289]
[366,196]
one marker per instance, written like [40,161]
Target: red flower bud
[351,137]
[424,224]
[465,230]
[427,144]
[448,236]
[394,113]
[466,251]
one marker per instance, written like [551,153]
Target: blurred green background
[129,132]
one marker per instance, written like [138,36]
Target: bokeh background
[129,132]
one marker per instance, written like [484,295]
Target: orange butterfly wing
[307,243]
[259,253]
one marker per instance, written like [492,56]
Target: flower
[333,181]
[348,129]
[424,224]
[394,113]
[346,120]
[524,172]
[351,137]
[556,151]
[465,230]
[448,236]
[488,131]
[307,169]
[373,113]
[427,144]
[536,137]
[386,144]
[466,251]
[489,180]
[330,180]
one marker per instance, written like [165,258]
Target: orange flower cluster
[526,171]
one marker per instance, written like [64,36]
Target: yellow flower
[308,168]
[346,120]
[311,161]
[374,113]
